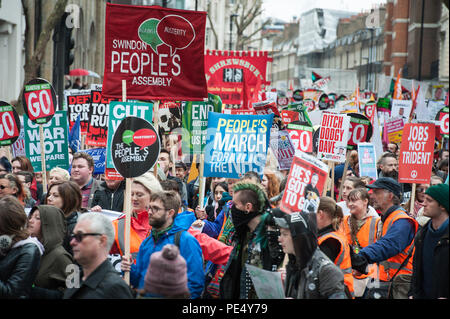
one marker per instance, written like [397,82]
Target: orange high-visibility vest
[119,238]
[366,235]
[343,260]
[389,267]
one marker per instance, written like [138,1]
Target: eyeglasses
[421,189]
[155,209]
[80,236]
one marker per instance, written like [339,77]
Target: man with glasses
[167,229]
[91,241]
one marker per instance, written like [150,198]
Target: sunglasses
[3,187]
[421,189]
[80,236]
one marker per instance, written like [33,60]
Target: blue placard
[367,160]
[236,144]
[99,156]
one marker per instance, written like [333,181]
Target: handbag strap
[404,261]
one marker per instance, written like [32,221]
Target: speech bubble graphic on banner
[127,137]
[176,32]
[144,137]
[147,33]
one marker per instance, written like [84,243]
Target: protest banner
[195,123]
[394,129]
[324,102]
[301,137]
[54,139]
[367,160]
[99,157]
[370,109]
[236,144]
[268,284]
[226,70]
[416,153]
[360,130]
[39,101]
[266,107]
[18,147]
[169,116]
[443,120]
[238,111]
[154,53]
[9,124]
[78,103]
[297,95]
[97,128]
[117,112]
[282,148]
[333,137]
[309,104]
[401,108]
[305,184]
[289,116]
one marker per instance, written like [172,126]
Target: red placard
[301,137]
[9,124]
[416,153]
[225,71]
[158,51]
[304,185]
[39,101]
[97,128]
[238,111]
[289,116]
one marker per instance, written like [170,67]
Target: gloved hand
[359,262]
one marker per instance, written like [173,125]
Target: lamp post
[231,28]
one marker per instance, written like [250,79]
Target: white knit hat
[149,181]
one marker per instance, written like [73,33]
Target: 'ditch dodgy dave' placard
[154,50]
[236,144]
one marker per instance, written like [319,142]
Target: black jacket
[104,283]
[440,266]
[18,270]
[109,199]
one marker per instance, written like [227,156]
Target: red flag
[255,95]
[245,94]
[398,88]
[414,100]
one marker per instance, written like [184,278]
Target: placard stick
[344,175]
[327,181]
[173,154]
[201,189]
[44,169]
[332,179]
[413,195]
[127,201]
[156,125]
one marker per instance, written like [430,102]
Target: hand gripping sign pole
[127,201]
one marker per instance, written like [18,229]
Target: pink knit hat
[167,273]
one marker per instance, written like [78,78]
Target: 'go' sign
[301,137]
[360,130]
[9,124]
[39,101]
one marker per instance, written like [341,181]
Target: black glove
[359,262]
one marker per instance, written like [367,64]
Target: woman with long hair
[11,185]
[332,241]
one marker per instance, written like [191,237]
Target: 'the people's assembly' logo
[173,30]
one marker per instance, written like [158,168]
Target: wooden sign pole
[44,169]
[344,175]
[127,202]
[332,179]
[201,190]
[155,122]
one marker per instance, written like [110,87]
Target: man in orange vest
[398,231]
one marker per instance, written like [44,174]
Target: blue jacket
[189,249]
[212,229]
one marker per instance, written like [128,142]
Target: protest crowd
[242,211]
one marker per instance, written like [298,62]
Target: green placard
[195,123]
[55,138]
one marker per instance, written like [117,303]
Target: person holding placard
[332,241]
[310,274]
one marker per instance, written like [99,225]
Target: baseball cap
[387,183]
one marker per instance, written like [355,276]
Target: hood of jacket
[53,226]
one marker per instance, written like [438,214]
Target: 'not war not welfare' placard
[236,144]
[56,144]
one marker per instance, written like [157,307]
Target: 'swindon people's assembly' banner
[158,51]
[236,144]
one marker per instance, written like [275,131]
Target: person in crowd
[141,190]
[252,242]
[310,274]
[165,162]
[91,240]
[354,162]
[5,165]
[22,163]
[388,165]
[332,241]
[81,173]
[58,174]
[395,246]
[166,275]
[418,200]
[218,190]
[430,264]
[181,171]
[338,177]
[26,178]
[393,148]
[361,229]
[48,224]
[20,254]
[350,184]
[434,180]
[77,84]
[110,196]
[66,195]
[163,210]
[442,168]
[210,202]
[11,185]
[271,183]
[420,218]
